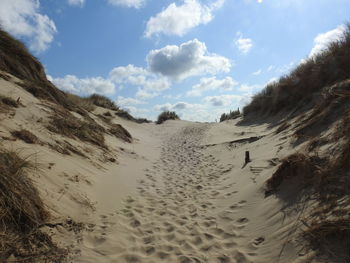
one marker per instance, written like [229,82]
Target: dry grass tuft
[22,214]
[8,101]
[25,136]
[120,132]
[167,115]
[103,101]
[16,60]
[330,237]
[72,127]
[127,116]
[80,102]
[20,204]
[301,166]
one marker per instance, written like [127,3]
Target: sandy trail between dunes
[175,218]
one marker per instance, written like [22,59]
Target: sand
[180,192]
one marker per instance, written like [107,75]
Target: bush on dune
[103,101]
[167,115]
[230,116]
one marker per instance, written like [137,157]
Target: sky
[200,58]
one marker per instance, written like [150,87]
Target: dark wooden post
[247,157]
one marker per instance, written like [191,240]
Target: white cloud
[258,72]
[209,110]
[179,19]
[145,94]
[249,88]
[76,2]
[188,59]
[150,85]
[22,19]
[212,83]
[84,86]
[128,3]
[222,100]
[322,41]
[123,101]
[271,67]
[244,45]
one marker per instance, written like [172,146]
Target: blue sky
[198,57]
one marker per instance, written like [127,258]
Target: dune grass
[25,136]
[72,127]
[299,88]
[102,101]
[120,132]
[230,116]
[167,115]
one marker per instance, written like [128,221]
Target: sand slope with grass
[175,192]
[83,181]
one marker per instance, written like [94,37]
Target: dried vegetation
[22,214]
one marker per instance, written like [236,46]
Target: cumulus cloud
[84,86]
[150,85]
[322,41]
[123,101]
[128,3]
[22,19]
[212,83]
[222,100]
[189,59]
[179,19]
[76,2]
[258,72]
[244,45]
[210,109]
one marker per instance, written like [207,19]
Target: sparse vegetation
[118,131]
[22,214]
[74,128]
[84,103]
[8,101]
[126,115]
[230,116]
[167,115]
[299,88]
[25,136]
[103,101]
[299,165]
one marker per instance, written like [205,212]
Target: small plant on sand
[25,136]
[167,115]
[8,101]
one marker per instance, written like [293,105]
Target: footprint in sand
[258,241]
[242,220]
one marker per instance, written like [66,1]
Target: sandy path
[175,218]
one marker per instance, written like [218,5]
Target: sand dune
[180,192]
